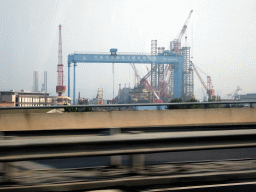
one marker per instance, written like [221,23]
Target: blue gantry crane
[114,57]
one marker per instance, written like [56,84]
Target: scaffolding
[173,44]
[160,69]
[100,96]
[154,65]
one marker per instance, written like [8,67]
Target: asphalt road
[156,158]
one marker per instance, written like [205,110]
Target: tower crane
[183,30]
[209,87]
[60,88]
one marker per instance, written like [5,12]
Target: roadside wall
[123,119]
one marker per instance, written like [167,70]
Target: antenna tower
[60,88]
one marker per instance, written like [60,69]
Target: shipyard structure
[170,76]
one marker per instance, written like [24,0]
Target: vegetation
[179,100]
[75,109]
[176,100]
[214,99]
[193,106]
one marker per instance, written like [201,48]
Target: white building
[24,98]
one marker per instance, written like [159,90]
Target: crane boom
[168,71]
[183,30]
[199,76]
[144,80]
[209,87]
[167,68]
[136,72]
[151,88]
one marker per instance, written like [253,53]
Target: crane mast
[60,88]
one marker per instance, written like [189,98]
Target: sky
[221,35]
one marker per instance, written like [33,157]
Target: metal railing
[123,144]
[109,53]
[205,104]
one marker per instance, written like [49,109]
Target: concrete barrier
[126,119]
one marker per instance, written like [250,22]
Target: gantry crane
[209,87]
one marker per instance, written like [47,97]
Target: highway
[167,157]
[186,161]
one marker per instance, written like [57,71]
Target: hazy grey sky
[223,40]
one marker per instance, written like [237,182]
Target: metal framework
[154,65]
[100,96]
[60,88]
[188,80]
[160,69]
[206,105]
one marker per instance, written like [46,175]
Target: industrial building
[44,85]
[35,81]
[25,98]
[248,97]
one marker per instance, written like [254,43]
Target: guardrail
[205,104]
[123,144]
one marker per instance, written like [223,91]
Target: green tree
[176,100]
[193,100]
[75,109]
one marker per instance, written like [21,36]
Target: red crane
[143,82]
[60,88]
[183,30]
[163,86]
[209,87]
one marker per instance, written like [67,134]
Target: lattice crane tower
[60,88]
[154,65]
